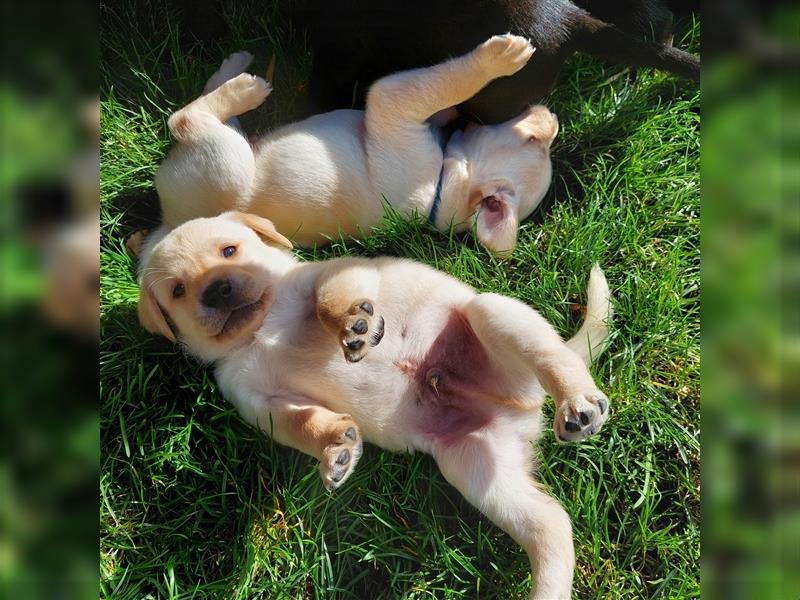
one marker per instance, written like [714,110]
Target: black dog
[354,42]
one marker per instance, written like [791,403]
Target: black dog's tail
[608,42]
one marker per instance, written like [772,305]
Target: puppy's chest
[291,331]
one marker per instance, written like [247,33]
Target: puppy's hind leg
[492,471]
[212,168]
[524,345]
[233,97]
[234,65]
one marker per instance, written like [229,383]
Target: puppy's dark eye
[178,291]
[228,251]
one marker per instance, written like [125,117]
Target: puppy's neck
[282,262]
[455,193]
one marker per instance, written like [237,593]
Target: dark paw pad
[343,458]
[360,327]
[355,345]
[340,457]
[581,416]
[362,330]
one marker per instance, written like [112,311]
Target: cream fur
[329,173]
[307,364]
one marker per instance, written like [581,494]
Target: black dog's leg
[607,42]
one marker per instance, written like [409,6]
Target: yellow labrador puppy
[429,365]
[328,174]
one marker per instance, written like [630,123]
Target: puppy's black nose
[217,294]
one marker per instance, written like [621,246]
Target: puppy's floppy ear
[151,316]
[497,223]
[263,227]
[537,124]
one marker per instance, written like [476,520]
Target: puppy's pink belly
[456,388]
[450,424]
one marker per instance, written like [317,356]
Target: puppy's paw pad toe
[362,329]
[339,458]
[580,416]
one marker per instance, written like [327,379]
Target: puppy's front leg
[345,295]
[417,94]
[332,438]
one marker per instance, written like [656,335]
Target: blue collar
[442,137]
[437,197]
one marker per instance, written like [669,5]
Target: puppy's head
[209,282]
[509,170]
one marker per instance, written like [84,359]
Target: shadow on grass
[138,209]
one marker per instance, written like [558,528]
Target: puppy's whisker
[154,270]
[157,281]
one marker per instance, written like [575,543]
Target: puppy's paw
[135,242]
[339,458]
[580,416]
[246,92]
[361,329]
[232,66]
[504,55]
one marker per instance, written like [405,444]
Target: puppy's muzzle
[228,301]
[222,293]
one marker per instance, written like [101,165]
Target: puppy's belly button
[407,367]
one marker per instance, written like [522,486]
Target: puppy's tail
[590,340]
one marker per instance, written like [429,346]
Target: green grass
[194,503]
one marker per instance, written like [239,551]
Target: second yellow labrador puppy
[431,365]
[328,174]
